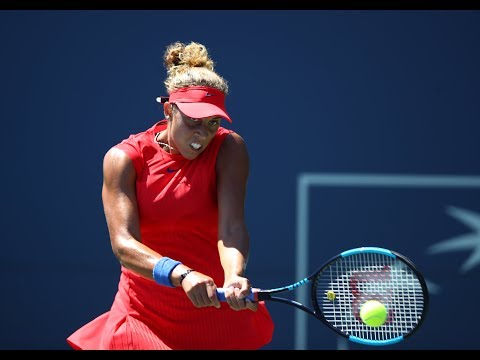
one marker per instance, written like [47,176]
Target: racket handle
[221,295]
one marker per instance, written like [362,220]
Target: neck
[165,146]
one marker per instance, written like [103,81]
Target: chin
[190,156]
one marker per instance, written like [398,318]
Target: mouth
[195,146]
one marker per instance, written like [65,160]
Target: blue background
[338,91]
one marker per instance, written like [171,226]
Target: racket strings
[360,277]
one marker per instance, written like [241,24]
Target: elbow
[121,251]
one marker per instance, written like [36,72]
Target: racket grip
[221,295]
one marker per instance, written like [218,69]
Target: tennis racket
[347,281]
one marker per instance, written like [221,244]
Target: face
[190,136]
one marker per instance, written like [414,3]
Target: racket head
[370,273]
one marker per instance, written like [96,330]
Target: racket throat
[293,303]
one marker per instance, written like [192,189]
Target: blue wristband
[163,269]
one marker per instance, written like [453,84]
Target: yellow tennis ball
[331,295]
[373,313]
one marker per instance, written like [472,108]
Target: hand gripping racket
[344,283]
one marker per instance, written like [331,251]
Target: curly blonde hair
[191,65]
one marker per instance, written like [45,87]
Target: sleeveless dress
[177,204]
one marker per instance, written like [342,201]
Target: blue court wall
[338,94]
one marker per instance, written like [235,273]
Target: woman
[174,198]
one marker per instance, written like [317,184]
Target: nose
[201,132]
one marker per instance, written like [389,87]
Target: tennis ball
[373,313]
[331,295]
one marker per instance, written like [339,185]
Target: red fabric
[200,101]
[178,214]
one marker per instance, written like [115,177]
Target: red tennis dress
[178,218]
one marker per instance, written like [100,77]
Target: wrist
[163,269]
[184,275]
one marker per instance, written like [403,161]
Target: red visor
[200,102]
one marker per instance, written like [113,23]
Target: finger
[244,291]
[194,299]
[204,299]
[239,301]
[230,296]
[212,295]
[251,305]
[207,295]
[199,297]
[243,295]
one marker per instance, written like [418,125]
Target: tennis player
[173,197]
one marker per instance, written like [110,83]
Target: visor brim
[199,110]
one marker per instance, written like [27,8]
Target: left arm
[233,239]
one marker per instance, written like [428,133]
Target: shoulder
[132,150]
[118,169]
[233,141]
[233,151]
[116,161]
[116,155]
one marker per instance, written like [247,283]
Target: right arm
[120,207]
[121,213]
